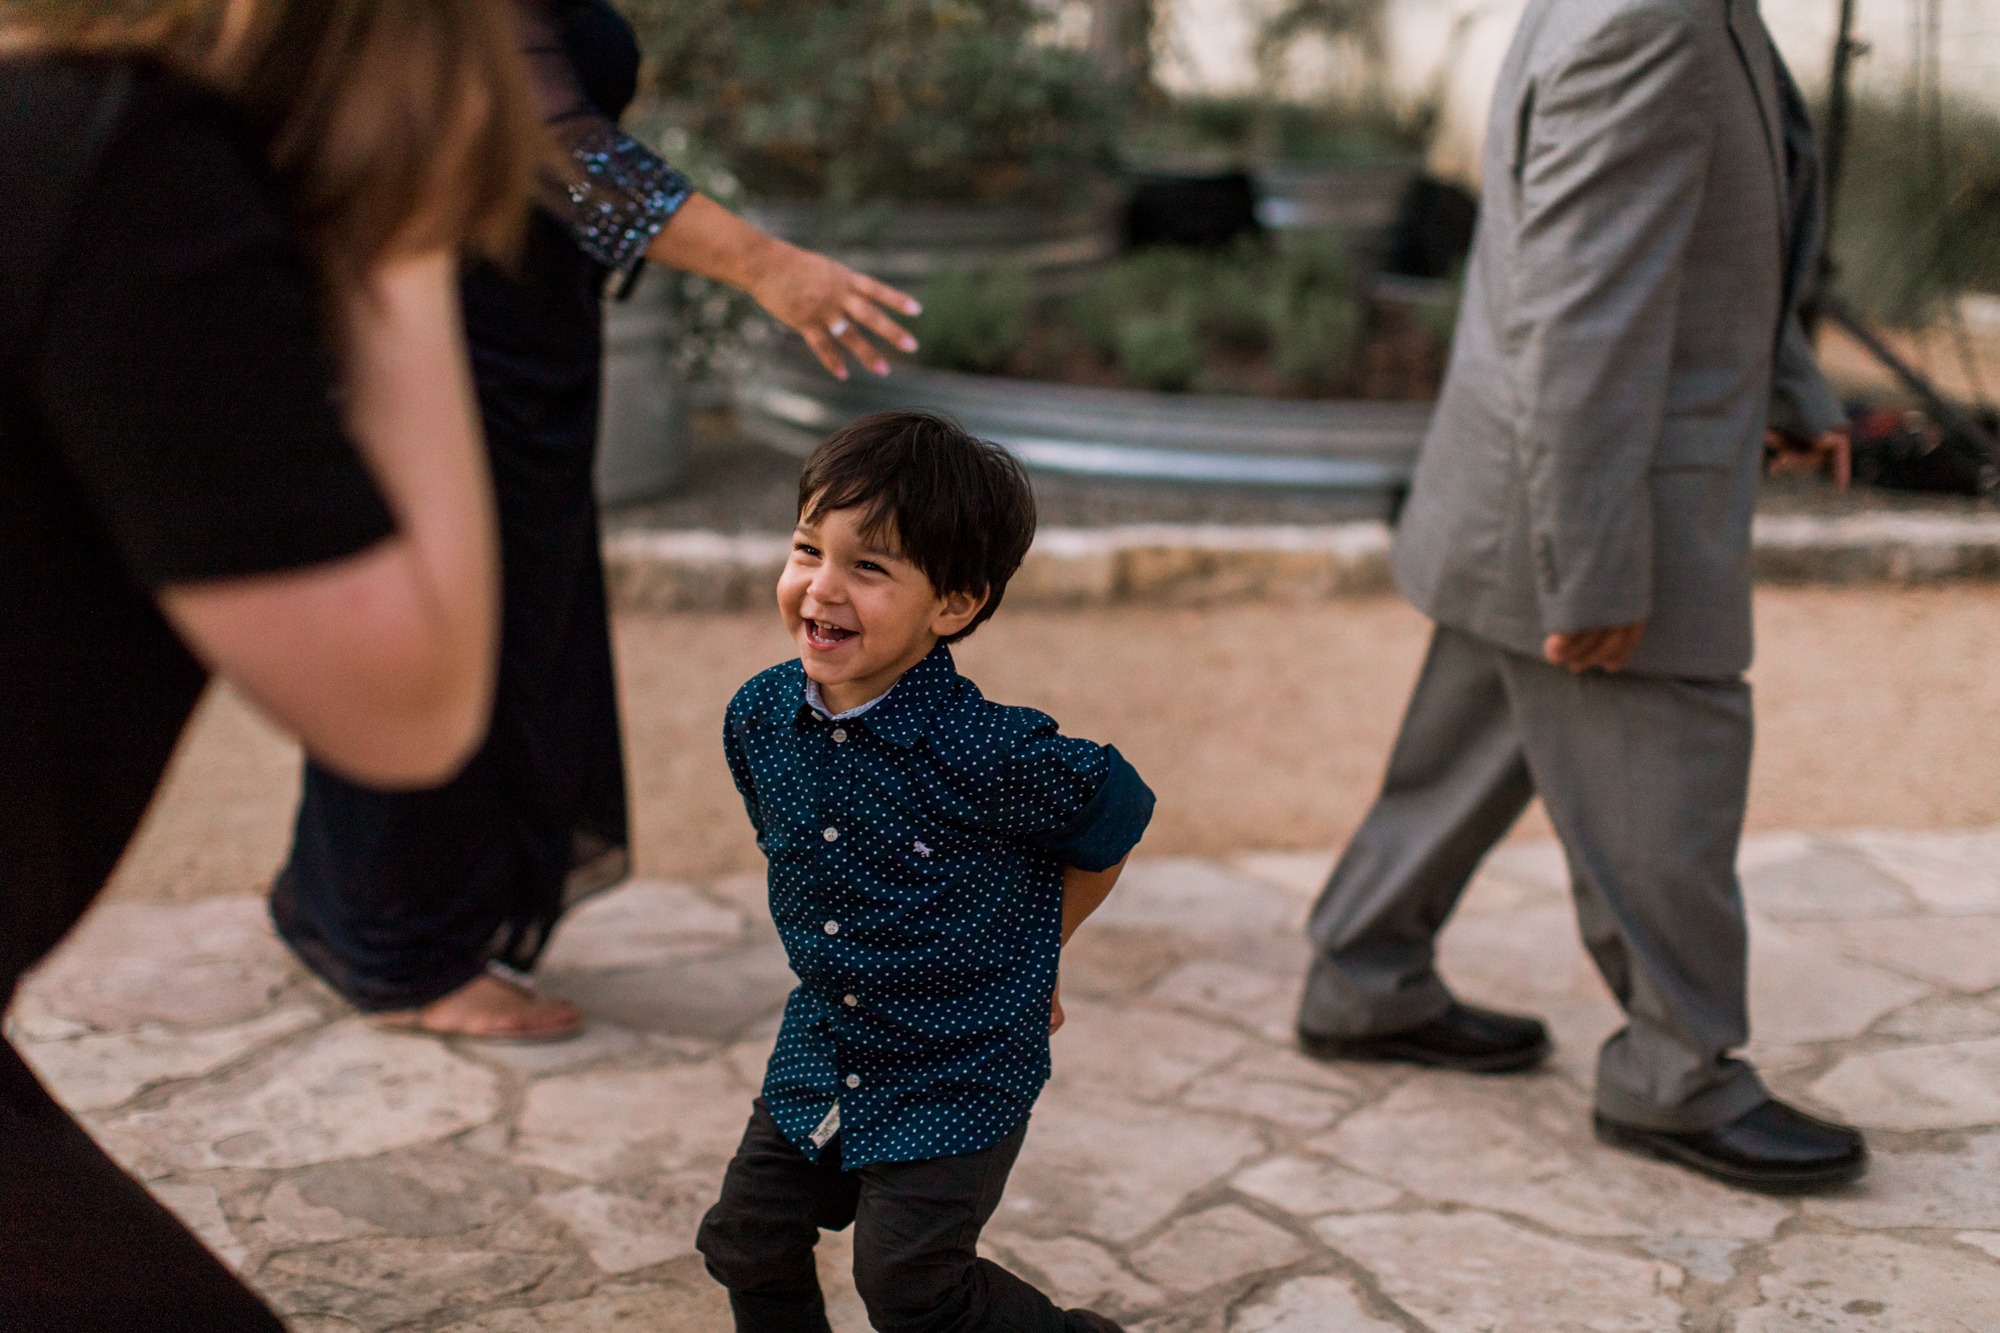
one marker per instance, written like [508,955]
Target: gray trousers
[1644,778]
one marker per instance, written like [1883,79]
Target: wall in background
[1204,46]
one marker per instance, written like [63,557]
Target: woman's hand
[830,305]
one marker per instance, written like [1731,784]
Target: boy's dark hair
[959,507]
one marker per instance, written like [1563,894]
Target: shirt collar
[902,713]
[818,705]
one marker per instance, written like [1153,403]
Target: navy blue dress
[398,899]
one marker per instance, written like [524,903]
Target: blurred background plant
[974,321]
[1323,96]
[851,102]
[1257,316]
[1246,132]
[1917,221]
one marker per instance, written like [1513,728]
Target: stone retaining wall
[1194,565]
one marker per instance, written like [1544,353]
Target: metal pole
[1833,156]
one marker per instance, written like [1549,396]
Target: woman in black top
[426,909]
[179,493]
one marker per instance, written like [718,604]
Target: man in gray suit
[1579,529]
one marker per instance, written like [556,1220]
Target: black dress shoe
[1771,1147]
[1463,1037]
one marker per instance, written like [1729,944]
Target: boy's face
[859,611]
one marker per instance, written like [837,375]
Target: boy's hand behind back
[1084,891]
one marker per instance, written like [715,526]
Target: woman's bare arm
[381,663]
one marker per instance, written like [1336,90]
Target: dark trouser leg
[399,898]
[916,1237]
[1645,779]
[84,1248]
[758,1239]
[396,898]
[1457,781]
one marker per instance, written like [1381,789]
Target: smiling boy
[929,854]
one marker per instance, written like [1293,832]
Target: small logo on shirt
[919,848]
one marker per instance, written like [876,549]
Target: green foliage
[1159,314]
[1237,303]
[1918,216]
[1152,283]
[1319,322]
[1153,312]
[1249,132]
[852,101]
[1159,352]
[974,321]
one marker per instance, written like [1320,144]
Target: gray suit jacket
[1651,213]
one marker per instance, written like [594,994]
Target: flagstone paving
[1187,1171]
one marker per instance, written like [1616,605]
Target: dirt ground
[1261,727]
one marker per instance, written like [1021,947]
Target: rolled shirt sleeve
[1079,801]
[1110,824]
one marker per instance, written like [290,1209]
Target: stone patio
[1187,1169]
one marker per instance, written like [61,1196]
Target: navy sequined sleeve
[613,194]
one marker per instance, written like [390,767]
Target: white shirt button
[830,833]
[839,735]
[833,927]
[850,1001]
[854,1080]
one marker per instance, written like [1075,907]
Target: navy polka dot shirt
[916,859]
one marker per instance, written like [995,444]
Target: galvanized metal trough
[1366,449]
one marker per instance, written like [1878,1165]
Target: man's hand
[1609,649]
[1832,452]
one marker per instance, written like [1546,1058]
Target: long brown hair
[393,126]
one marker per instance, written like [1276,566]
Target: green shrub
[1159,352]
[1154,313]
[1248,132]
[1236,303]
[1154,281]
[1316,340]
[1918,215]
[974,321]
[1320,323]
[847,102]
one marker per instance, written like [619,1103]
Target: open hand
[1609,649]
[830,305]
[1832,452]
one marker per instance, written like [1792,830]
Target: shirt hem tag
[827,1127]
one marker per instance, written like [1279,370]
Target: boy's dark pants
[916,1226]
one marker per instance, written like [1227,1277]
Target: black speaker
[1433,230]
[1204,210]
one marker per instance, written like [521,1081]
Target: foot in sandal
[489,1008]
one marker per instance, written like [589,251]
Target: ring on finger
[838,327]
